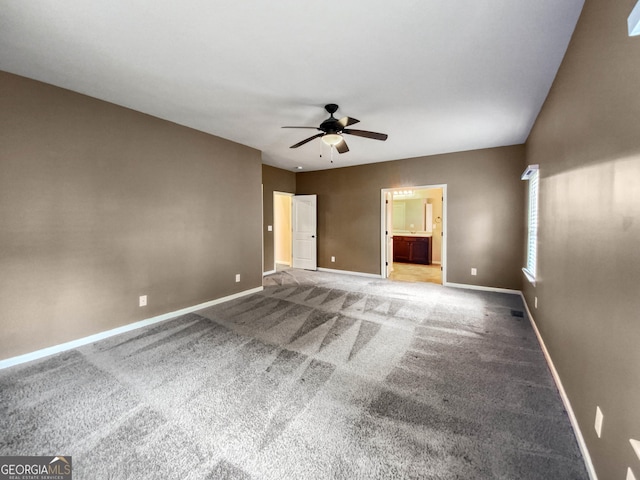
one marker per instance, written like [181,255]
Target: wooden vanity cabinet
[401,249]
[412,249]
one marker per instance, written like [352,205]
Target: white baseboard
[567,404]
[446,284]
[45,352]
[347,272]
[484,289]
[270,272]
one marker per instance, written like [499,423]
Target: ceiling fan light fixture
[332,139]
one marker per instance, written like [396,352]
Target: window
[531,174]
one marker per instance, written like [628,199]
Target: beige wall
[273,180]
[100,204]
[485,231]
[587,143]
[282,227]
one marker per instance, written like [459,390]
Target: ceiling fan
[332,130]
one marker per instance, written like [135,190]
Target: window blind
[532,175]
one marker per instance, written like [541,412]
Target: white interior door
[389,232]
[305,246]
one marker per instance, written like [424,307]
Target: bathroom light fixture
[332,139]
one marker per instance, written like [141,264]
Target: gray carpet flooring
[320,376]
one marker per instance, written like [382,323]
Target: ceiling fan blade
[366,134]
[346,121]
[342,147]
[312,128]
[306,140]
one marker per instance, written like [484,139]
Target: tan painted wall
[100,204]
[273,180]
[587,142]
[484,231]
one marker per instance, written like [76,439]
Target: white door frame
[383,237]
[390,217]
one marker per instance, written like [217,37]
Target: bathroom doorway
[413,241]
[282,240]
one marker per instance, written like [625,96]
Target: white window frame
[532,175]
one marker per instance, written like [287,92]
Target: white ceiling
[437,76]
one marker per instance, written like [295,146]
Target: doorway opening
[282,240]
[413,240]
[294,231]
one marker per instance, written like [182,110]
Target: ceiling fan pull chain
[331,147]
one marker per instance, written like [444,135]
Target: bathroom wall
[282,227]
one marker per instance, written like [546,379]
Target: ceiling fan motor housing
[331,125]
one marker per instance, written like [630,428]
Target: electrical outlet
[142,301]
[598,424]
[237,277]
[535,302]
[630,475]
[474,271]
[333,259]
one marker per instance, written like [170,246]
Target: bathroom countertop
[412,234]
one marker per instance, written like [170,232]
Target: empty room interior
[433,270]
